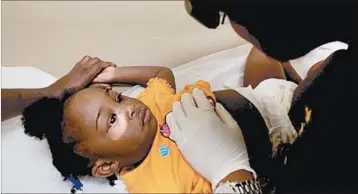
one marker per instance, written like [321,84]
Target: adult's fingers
[188,104]
[112,64]
[85,59]
[201,100]
[172,124]
[226,117]
[179,114]
[93,61]
[95,69]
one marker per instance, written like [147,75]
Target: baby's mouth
[141,116]
[147,115]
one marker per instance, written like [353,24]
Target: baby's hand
[106,76]
[101,85]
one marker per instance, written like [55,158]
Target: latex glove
[210,141]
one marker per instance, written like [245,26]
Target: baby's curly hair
[44,119]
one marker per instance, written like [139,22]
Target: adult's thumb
[174,129]
[225,116]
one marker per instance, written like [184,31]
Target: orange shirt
[165,170]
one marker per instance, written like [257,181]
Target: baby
[99,132]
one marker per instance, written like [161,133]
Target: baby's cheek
[117,131]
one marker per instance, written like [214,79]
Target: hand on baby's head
[106,76]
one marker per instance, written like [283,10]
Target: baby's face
[109,126]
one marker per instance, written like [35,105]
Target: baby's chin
[153,122]
[145,149]
[152,129]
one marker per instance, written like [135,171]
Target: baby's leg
[260,67]
[291,73]
[253,128]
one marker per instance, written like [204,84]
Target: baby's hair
[44,119]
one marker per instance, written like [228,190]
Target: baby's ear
[104,168]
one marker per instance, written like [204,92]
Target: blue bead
[76,183]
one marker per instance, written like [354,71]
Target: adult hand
[210,141]
[80,76]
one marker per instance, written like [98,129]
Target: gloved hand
[210,141]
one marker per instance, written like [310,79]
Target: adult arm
[13,101]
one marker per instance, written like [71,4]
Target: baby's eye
[119,97]
[112,119]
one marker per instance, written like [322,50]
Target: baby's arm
[139,75]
